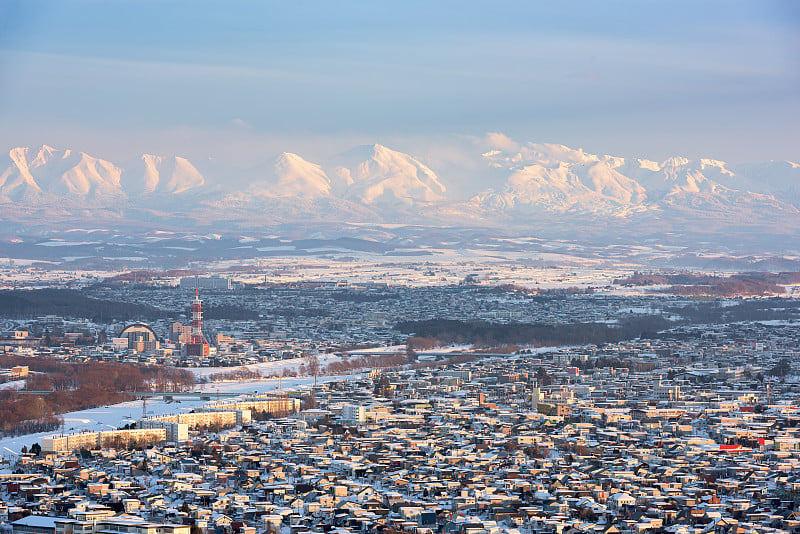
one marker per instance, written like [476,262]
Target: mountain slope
[290,176]
[376,175]
[152,174]
[558,180]
[778,178]
[48,173]
[536,187]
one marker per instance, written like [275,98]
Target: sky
[242,81]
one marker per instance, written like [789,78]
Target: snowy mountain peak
[545,154]
[507,183]
[55,173]
[19,157]
[648,165]
[375,174]
[716,165]
[675,161]
[44,155]
[151,174]
[296,177]
[553,155]
[289,156]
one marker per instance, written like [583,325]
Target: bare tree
[313,367]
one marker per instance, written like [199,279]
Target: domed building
[141,337]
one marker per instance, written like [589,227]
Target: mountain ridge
[539,184]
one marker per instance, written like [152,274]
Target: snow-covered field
[114,416]
[276,367]
[103,418]
[13,384]
[266,385]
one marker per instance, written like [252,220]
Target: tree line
[775,308]
[484,333]
[229,311]
[695,284]
[25,304]
[25,414]
[61,375]
[77,386]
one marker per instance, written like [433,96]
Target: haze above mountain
[536,188]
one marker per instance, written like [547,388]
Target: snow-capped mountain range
[525,186]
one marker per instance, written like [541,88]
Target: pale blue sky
[240,79]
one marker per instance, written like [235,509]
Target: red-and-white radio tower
[197,346]
[197,318]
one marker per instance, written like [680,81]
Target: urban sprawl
[693,430]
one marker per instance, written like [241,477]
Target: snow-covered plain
[266,369]
[14,384]
[116,415]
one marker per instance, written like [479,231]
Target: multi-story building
[99,440]
[354,413]
[275,407]
[178,425]
[205,282]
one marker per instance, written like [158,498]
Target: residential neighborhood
[695,434]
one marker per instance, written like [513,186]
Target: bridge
[202,395]
[429,353]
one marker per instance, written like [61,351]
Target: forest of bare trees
[77,386]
